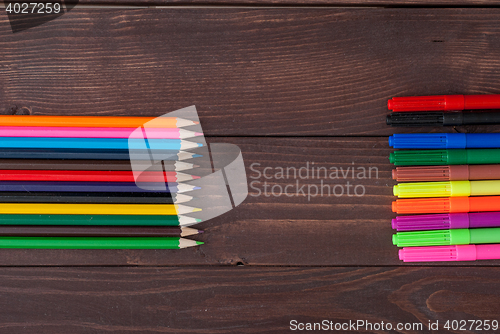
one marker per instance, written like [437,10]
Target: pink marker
[450,253]
[78,132]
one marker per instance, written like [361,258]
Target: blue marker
[445,140]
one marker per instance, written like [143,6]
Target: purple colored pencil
[59,186]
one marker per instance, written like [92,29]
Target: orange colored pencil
[94,121]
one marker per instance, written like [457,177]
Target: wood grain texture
[426,3]
[286,71]
[286,229]
[238,300]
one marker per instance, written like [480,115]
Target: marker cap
[433,189]
[431,222]
[439,253]
[432,205]
[425,103]
[432,238]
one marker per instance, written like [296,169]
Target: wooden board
[289,86]
[251,72]
[243,300]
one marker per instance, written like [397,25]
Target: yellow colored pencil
[95,209]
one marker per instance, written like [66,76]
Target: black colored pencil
[71,154]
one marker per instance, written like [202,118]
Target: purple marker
[446,221]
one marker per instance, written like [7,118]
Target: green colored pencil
[105,220]
[97,242]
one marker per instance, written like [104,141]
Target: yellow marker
[95,209]
[447,189]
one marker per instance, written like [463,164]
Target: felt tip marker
[445,157]
[446,204]
[450,253]
[446,173]
[454,118]
[445,140]
[447,189]
[460,236]
[443,102]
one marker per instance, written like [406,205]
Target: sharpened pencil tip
[196,210]
[200,242]
[195,177]
[198,220]
[196,122]
[201,232]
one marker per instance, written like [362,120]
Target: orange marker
[95,121]
[446,205]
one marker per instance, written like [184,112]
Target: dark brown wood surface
[240,300]
[256,72]
[292,87]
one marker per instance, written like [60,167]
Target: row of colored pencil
[451,184]
[68,182]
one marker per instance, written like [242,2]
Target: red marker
[444,102]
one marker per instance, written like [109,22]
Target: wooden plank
[291,2]
[286,71]
[287,229]
[243,300]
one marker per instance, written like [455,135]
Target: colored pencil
[97,242]
[92,176]
[88,164]
[20,153]
[77,132]
[95,209]
[96,231]
[83,197]
[96,143]
[97,220]
[110,187]
[95,121]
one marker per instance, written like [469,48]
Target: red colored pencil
[93,176]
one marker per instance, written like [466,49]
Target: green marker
[97,242]
[105,220]
[445,157]
[461,236]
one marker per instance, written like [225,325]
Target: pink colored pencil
[80,132]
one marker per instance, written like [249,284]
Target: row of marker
[452,181]
[67,182]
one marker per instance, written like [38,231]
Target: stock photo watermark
[310,180]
